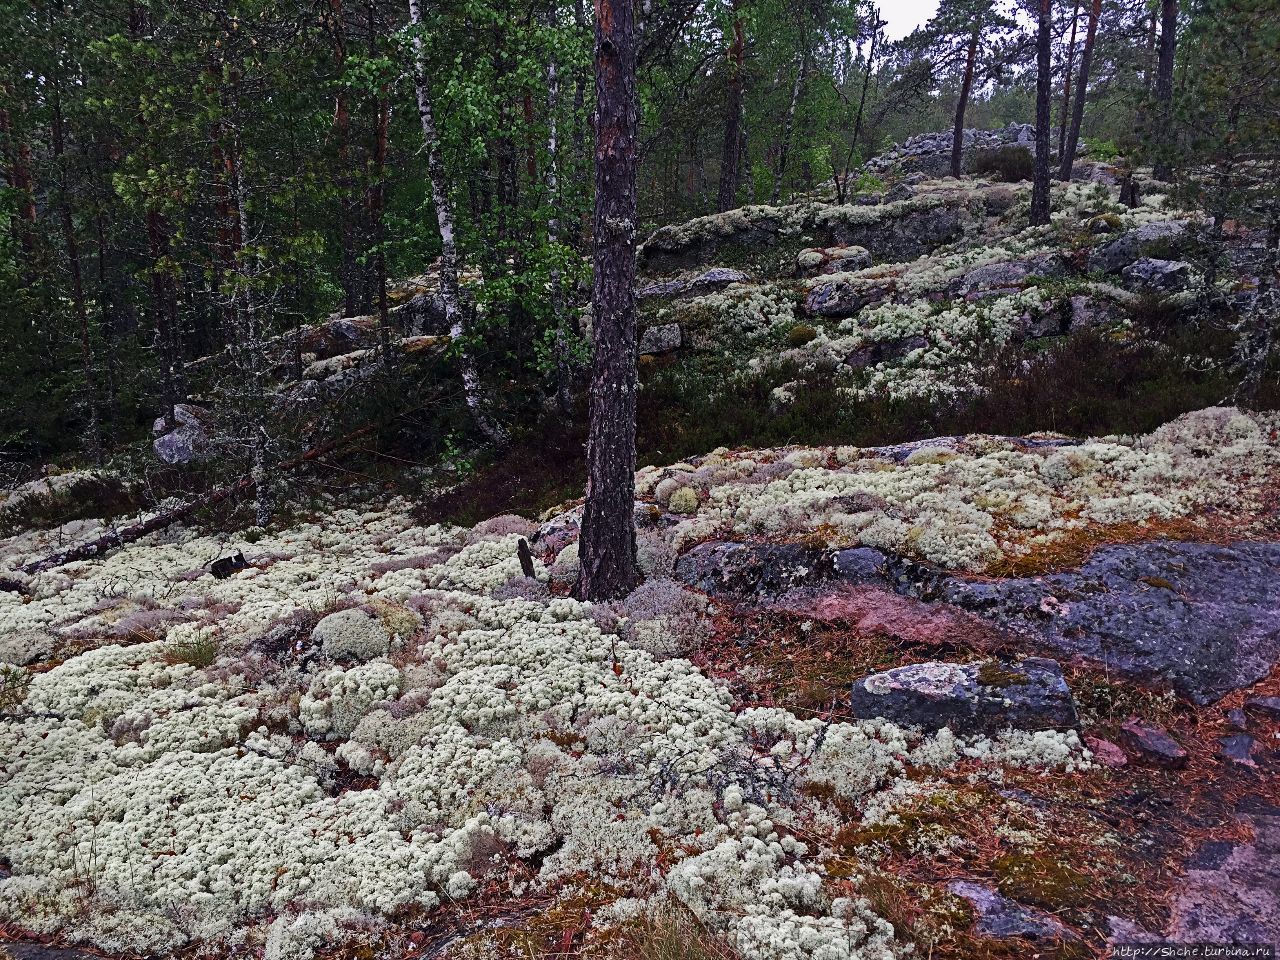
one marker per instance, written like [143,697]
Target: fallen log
[136,531]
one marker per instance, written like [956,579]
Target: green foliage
[200,650]
[1100,149]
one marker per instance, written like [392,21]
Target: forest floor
[907,674]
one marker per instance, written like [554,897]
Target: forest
[662,480]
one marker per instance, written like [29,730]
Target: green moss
[994,674]
[1040,879]
[800,334]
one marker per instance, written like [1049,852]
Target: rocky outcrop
[189,440]
[983,697]
[1002,918]
[1231,893]
[891,232]
[751,569]
[1202,618]
[1129,246]
[663,338]
[930,153]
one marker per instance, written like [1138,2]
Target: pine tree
[607,544]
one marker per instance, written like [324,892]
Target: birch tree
[449,287]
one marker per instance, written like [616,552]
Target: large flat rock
[1202,618]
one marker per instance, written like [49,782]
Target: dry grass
[672,933]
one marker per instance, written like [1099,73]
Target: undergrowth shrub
[199,650]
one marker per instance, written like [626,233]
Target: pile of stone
[930,153]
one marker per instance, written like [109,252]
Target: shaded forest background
[185,181]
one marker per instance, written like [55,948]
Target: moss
[800,334]
[1040,879]
[1104,223]
[994,674]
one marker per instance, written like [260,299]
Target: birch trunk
[564,372]
[788,126]
[449,296]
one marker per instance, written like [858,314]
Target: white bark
[564,386]
[449,298]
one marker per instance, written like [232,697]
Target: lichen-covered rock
[819,260]
[751,569]
[661,339]
[890,231]
[189,440]
[1161,276]
[1132,244]
[930,153]
[986,696]
[1203,618]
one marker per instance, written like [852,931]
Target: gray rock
[1235,897]
[188,441]
[860,565]
[1238,748]
[1000,917]
[1132,244]
[715,278]
[663,288]
[661,339]
[1268,706]
[1011,273]
[1093,312]
[1153,744]
[1163,276]
[1238,719]
[838,298]
[751,569]
[708,280]
[1202,618]
[987,696]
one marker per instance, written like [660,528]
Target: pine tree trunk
[342,134]
[731,155]
[1164,88]
[966,84]
[606,544]
[18,160]
[1082,88]
[1066,79]
[94,438]
[1044,117]
[449,294]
